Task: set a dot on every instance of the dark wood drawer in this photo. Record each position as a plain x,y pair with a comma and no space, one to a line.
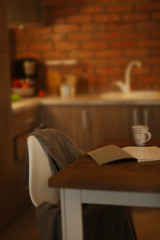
20,148
26,120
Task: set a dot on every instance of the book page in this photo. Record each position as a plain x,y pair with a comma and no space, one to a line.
108,154
144,153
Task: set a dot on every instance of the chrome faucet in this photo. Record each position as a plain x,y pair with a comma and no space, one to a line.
126,86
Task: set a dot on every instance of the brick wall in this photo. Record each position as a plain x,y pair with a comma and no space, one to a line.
103,35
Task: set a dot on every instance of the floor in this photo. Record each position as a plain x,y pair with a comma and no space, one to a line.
24,228
147,222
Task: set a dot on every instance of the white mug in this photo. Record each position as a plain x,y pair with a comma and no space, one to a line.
67,90
141,134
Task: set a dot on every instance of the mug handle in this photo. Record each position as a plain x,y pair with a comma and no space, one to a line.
148,136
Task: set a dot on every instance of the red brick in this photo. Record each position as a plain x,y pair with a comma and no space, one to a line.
21,39
43,31
135,17
155,15
148,43
142,70
137,34
122,44
52,55
140,52
147,25
119,26
95,62
148,7
80,2
108,71
154,61
81,54
88,27
63,46
21,48
64,11
156,70
103,34
148,78
52,20
119,8
102,27
57,37
40,47
108,35
155,33
94,45
79,19
108,53
92,9
107,18
94,27
55,2
28,54
155,52
19,31
65,28
80,36
110,1
39,38
118,62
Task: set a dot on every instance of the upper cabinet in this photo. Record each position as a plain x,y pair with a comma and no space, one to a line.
25,13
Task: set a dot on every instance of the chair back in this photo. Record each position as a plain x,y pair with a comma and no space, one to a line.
39,172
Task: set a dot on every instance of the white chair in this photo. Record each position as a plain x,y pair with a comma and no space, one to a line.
39,172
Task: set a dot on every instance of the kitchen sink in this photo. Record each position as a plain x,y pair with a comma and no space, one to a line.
133,95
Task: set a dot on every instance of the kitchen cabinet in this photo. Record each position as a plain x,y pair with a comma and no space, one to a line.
150,115
23,122
8,208
3,34
111,122
22,13
114,122
73,120
90,125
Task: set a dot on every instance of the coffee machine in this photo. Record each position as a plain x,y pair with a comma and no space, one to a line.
26,69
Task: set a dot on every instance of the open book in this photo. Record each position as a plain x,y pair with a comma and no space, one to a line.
151,153
110,153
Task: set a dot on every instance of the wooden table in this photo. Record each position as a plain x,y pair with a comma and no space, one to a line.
125,183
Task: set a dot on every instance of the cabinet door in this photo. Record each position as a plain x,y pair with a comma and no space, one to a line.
151,117
8,209
23,122
25,13
3,33
73,120
112,122
148,115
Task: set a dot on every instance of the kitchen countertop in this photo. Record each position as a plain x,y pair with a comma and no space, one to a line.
90,100
25,103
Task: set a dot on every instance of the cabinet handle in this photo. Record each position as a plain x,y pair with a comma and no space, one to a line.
84,119
28,121
145,115
135,117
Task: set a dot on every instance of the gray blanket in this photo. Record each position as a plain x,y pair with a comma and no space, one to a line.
100,222
61,150
59,147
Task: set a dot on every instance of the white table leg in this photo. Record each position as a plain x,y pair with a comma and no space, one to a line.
71,213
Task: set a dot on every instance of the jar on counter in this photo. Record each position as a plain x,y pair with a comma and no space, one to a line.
53,76
60,73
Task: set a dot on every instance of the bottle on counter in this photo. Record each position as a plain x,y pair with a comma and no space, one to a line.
82,83
53,76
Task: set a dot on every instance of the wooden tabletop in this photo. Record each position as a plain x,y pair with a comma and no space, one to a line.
84,173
